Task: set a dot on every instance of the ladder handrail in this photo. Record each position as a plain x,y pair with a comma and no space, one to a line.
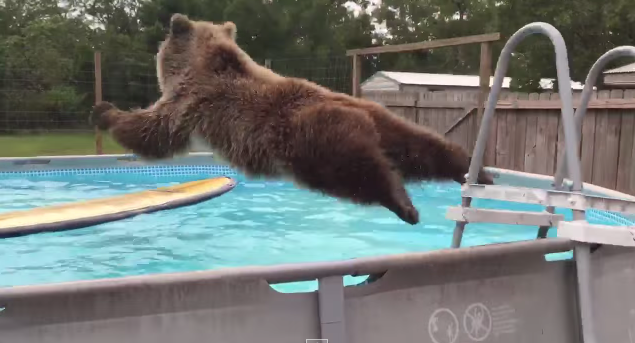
589,83
564,85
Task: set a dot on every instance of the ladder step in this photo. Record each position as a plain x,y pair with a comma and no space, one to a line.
582,231
481,215
562,199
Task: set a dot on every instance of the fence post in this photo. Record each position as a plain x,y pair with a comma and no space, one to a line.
485,72
268,63
357,76
98,98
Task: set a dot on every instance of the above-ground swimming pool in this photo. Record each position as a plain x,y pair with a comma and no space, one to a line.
495,293
257,223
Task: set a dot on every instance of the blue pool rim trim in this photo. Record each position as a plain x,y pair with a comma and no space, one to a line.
159,170
97,220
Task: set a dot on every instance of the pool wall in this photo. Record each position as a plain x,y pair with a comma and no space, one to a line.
492,293
496,293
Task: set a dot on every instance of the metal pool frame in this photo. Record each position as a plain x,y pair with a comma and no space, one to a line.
492,293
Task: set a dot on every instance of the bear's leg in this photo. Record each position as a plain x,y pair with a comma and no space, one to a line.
336,151
154,133
420,153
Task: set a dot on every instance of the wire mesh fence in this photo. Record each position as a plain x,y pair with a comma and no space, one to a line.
333,72
129,81
41,99
38,99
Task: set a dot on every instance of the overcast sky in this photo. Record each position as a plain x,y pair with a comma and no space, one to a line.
379,27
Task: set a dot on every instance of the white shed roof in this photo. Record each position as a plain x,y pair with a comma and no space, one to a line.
629,68
428,79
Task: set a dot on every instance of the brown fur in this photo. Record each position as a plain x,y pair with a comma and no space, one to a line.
272,126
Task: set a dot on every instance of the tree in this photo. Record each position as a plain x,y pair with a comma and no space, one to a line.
589,28
40,65
46,46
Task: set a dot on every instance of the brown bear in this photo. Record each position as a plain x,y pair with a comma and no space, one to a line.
271,126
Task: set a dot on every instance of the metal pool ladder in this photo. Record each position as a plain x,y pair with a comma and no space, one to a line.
571,197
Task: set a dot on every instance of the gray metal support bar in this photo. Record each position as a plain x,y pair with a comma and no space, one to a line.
589,83
582,253
543,231
331,303
457,237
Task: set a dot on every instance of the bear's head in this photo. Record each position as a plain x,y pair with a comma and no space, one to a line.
198,46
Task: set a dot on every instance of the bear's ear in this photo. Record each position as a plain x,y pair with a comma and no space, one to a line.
180,24
230,29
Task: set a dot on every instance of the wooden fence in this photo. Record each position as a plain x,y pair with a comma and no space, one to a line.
526,133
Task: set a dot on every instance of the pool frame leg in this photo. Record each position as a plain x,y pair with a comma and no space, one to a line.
331,309
582,253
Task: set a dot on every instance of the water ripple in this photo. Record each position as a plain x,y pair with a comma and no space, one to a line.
258,223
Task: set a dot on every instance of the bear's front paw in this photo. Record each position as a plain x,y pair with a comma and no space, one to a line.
98,116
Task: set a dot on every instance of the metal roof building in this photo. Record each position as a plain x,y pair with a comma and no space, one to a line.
622,77
405,81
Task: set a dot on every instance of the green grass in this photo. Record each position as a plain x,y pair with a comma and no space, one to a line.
49,144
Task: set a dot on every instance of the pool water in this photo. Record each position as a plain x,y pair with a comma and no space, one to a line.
258,223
